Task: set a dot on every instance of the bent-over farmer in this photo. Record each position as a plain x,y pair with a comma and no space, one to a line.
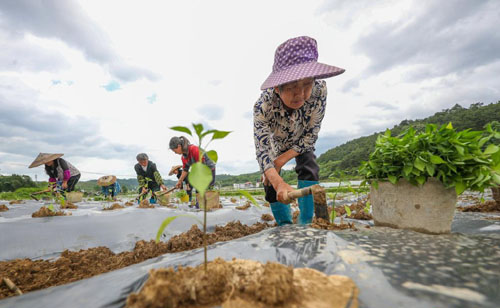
109,186
148,176
287,119
59,171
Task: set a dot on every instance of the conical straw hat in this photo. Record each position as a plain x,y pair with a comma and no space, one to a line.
106,180
174,168
43,158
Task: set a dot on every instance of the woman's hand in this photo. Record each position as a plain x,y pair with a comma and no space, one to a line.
282,191
64,185
178,185
144,190
163,187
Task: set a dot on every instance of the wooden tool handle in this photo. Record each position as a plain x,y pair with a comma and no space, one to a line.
298,193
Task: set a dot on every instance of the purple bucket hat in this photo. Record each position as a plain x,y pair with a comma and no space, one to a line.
296,59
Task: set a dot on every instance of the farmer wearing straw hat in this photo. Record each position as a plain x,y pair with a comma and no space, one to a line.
287,119
177,170
148,176
58,170
109,186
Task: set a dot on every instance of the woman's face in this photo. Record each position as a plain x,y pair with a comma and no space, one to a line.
178,150
143,163
49,163
295,94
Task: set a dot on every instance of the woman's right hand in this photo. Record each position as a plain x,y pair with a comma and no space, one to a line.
144,190
282,191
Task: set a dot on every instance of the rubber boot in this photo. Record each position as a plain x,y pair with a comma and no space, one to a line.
152,201
282,213
306,204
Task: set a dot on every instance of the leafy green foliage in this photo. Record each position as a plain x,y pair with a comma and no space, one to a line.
13,182
454,158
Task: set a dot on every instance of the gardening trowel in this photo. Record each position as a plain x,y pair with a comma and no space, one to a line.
319,197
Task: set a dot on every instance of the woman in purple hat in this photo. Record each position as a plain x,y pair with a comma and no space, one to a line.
287,119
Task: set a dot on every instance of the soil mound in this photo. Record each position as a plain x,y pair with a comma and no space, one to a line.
266,204
69,205
128,203
16,202
488,206
114,206
146,205
267,217
71,266
246,206
319,223
194,237
242,284
45,212
3,208
233,200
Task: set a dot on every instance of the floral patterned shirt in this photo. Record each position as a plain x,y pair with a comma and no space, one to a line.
276,130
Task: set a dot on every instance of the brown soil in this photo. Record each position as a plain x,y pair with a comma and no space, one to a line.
357,210
69,205
233,200
16,202
244,284
45,212
114,206
245,206
129,203
492,218
488,206
295,216
266,204
319,223
146,205
31,275
267,217
3,208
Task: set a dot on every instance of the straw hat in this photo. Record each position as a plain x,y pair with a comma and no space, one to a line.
43,158
296,59
106,180
174,168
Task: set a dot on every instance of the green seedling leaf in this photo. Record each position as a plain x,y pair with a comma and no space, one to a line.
181,129
491,149
420,180
482,199
437,160
249,197
333,214
375,184
198,128
392,179
420,165
407,169
200,177
51,208
218,134
430,169
460,188
347,210
496,178
367,207
213,155
349,187
168,220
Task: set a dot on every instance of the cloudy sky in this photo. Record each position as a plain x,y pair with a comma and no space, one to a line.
101,81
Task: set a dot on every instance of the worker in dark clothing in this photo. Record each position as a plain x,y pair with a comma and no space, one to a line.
148,177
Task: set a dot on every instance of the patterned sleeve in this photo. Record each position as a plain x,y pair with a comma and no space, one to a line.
262,133
158,178
316,114
141,180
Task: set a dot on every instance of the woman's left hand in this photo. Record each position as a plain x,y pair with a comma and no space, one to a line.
64,185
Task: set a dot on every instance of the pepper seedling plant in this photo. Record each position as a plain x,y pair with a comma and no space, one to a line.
200,175
463,160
